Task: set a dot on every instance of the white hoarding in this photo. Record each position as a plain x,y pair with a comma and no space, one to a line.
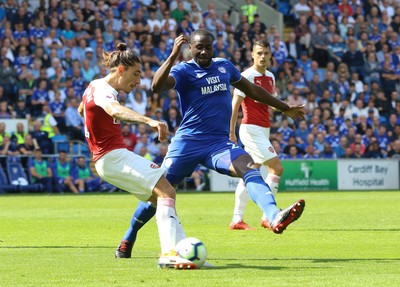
368,174
11,124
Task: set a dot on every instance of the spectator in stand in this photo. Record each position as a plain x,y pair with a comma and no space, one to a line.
389,78
301,9
382,104
332,137
8,78
368,136
303,33
363,125
129,137
354,59
8,148
147,55
27,149
336,49
301,133
358,141
152,21
299,83
372,69
41,172
18,136
319,42
295,99
138,102
173,119
145,141
286,131
373,151
314,69
168,24
40,97
395,149
57,109
320,142
161,156
316,122
62,171
49,123
83,177
143,152
88,71
293,47
327,152
357,153
330,7
78,82
394,121
310,153
74,121
293,153
382,137
5,112
340,149
179,12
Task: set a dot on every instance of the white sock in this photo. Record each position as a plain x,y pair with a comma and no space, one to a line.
180,233
273,182
167,221
241,200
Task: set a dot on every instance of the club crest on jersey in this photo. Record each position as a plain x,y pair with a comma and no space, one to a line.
271,149
222,70
153,165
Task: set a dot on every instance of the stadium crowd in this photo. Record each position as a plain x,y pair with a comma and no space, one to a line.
341,60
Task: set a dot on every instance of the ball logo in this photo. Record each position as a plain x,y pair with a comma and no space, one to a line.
153,165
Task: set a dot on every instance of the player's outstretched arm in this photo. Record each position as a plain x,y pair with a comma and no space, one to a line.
259,94
125,114
162,80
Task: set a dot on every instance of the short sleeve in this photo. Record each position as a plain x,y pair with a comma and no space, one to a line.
177,73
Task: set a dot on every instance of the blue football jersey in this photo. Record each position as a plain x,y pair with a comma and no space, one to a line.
205,97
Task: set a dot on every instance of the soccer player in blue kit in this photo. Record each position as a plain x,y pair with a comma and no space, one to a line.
203,87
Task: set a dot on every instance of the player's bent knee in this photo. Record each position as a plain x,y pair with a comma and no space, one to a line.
164,189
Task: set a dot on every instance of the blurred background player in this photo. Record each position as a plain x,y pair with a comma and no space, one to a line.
254,131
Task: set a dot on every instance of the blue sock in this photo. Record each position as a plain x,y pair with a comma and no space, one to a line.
260,193
143,213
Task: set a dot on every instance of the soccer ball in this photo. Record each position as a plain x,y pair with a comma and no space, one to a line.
192,249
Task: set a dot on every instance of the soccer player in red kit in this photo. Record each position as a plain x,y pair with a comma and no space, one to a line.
254,131
115,163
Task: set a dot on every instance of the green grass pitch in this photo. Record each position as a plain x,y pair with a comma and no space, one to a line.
342,239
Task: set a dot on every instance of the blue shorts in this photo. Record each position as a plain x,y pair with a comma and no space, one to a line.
185,154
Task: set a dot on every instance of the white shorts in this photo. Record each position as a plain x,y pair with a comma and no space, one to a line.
256,142
130,172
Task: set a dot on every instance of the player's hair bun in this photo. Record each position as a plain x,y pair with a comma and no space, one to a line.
121,47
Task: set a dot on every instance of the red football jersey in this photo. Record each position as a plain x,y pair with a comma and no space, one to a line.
103,132
254,112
